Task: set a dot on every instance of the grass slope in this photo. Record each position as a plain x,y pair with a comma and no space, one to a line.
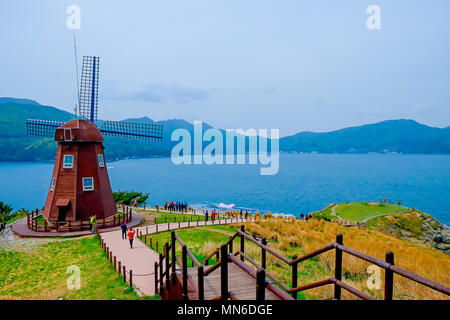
302,237
42,272
359,211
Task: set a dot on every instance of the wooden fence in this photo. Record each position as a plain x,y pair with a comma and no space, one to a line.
42,225
165,270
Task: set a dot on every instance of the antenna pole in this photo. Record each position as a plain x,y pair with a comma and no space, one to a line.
76,68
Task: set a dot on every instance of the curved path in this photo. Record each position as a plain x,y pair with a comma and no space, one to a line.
141,259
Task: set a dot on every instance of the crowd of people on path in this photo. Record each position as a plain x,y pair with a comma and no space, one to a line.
213,215
176,206
246,214
307,217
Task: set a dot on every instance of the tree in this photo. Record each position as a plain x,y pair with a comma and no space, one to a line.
5,212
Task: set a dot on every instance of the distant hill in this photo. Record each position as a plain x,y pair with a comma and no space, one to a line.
406,136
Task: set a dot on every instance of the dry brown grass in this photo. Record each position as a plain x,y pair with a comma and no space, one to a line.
301,237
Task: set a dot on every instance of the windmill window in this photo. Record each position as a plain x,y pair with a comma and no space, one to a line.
101,161
52,187
68,161
88,184
68,134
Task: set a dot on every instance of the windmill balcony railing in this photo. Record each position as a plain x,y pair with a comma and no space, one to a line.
37,223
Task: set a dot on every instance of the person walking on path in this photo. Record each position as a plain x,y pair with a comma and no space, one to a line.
131,233
124,230
206,216
241,213
92,221
246,214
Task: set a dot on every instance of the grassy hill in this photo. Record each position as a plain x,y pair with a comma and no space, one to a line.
395,220
405,136
360,211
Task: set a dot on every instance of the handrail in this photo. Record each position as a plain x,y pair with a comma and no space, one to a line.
280,293
210,256
189,253
276,254
355,291
362,256
387,266
268,274
212,268
313,254
289,293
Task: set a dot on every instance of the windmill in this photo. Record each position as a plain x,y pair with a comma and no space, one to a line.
80,185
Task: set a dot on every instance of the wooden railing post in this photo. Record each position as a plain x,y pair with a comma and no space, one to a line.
338,267
185,272
124,274
156,277
174,260
294,277
224,272
167,258
242,242
131,278
389,278
45,225
119,267
161,274
263,254
201,283
260,284
115,263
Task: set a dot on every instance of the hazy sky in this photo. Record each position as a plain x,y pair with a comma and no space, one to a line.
293,65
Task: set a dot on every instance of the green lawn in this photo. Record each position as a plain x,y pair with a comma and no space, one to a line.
163,217
358,211
42,273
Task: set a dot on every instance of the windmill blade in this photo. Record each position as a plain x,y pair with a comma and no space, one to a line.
141,131
88,99
42,128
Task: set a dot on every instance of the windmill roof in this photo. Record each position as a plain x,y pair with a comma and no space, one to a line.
82,130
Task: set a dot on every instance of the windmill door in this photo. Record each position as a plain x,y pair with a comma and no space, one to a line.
63,207
62,213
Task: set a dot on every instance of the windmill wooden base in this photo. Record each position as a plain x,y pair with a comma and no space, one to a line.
80,185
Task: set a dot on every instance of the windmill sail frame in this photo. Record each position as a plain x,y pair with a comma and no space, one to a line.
88,95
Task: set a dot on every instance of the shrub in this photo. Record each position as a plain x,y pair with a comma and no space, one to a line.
127,197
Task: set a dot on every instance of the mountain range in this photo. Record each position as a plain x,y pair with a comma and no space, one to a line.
399,136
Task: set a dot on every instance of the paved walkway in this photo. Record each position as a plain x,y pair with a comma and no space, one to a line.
141,259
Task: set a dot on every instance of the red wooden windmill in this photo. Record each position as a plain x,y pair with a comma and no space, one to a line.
80,185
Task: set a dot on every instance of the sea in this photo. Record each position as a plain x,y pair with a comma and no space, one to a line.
303,184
